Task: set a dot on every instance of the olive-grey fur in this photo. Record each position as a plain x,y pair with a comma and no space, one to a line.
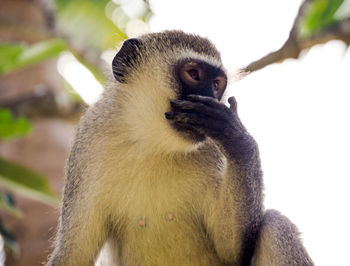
147,195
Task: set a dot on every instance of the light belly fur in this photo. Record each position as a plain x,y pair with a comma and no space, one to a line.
162,219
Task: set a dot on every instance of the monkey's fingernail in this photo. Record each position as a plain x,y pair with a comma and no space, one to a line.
169,115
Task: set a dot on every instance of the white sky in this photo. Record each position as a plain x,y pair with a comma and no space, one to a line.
297,111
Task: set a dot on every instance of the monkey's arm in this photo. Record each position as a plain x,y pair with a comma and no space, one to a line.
80,235
237,211
237,224
279,243
82,231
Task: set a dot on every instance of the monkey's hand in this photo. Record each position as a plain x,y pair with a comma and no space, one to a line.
206,115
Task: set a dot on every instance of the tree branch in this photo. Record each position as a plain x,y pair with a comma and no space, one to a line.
44,104
294,45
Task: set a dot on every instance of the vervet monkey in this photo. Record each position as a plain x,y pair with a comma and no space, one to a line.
166,174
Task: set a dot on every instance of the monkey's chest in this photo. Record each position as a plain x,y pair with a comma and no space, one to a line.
166,236
163,225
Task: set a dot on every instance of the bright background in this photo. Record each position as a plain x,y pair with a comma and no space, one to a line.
298,111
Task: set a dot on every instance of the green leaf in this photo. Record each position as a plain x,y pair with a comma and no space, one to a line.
94,26
11,127
7,203
72,93
9,52
87,23
41,51
319,15
14,56
26,182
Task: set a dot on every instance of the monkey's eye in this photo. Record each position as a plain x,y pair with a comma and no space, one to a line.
191,73
219,86
216,84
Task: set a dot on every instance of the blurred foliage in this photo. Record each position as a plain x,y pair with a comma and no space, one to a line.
72,93
11,127
14,56
86,28
320,14
9,240
85,21
7,202
17,178
25,181
89,27
94,26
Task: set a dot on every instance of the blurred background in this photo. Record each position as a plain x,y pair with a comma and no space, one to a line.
289,68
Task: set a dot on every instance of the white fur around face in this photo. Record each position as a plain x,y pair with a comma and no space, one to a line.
183,54
144,115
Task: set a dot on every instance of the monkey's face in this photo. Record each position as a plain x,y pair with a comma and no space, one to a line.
199,78
156,68
196,77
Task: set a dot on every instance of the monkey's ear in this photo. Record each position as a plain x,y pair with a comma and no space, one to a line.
126,58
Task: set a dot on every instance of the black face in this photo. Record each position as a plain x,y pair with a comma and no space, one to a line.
198,78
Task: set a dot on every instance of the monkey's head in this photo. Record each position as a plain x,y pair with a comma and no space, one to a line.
159,67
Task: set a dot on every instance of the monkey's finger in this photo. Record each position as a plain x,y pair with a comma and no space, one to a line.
233,104
183,122
191,127
184,117
206,124
210,101
197,107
